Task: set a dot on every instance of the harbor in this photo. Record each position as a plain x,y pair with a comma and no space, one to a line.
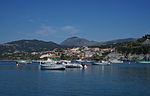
75,48
117,79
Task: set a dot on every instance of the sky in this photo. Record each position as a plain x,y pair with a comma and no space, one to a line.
56,20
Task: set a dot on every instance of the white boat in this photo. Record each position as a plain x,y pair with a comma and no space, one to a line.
23,62
102,63
146,62
116,61
69,64
51,65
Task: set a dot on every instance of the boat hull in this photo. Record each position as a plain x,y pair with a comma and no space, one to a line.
23,62
73,66
52,67
116,61
101,63
48,68
146,62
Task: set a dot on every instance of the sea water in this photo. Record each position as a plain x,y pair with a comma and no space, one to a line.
115,80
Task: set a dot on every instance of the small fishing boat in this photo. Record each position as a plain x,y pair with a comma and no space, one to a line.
70,64
51,65
101,63
146,62
116,61
23,61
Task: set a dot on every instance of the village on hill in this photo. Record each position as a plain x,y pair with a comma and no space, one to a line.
133,50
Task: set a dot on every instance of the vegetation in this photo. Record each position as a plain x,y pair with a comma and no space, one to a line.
27,46
16,56
136,47
23,49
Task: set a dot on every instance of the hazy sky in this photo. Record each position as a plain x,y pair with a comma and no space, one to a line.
56,20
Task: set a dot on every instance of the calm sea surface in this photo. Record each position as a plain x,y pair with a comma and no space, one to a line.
114,80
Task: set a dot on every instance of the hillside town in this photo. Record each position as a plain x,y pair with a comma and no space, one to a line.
84,53
127,51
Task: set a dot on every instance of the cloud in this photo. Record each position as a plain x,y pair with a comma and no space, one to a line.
70,29
46,30
53,30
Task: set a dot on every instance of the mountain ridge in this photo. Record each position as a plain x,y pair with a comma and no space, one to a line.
39,45
76,41
28,46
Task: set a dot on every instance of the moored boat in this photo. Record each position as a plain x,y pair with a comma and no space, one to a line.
116,61
23,61
146,62
69,64
51,65
101,63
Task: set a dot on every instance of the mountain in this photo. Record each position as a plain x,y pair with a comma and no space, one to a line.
28,46
76,41
38,45
119,41
139,46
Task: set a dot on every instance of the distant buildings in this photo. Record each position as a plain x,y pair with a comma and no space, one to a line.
78,52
